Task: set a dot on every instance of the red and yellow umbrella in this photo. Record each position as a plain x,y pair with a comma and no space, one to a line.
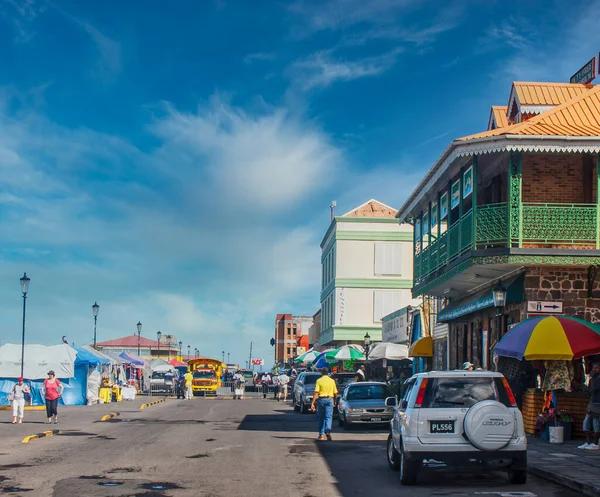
556,338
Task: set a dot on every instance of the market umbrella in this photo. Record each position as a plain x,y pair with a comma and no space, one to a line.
346,353
389,351
324,359
308,356
556,338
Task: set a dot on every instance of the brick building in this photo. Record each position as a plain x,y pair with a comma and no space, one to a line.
291,336
514,208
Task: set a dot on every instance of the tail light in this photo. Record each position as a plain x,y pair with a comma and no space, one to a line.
421,394
511,397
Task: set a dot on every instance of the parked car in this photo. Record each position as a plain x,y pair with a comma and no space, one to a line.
304,389
461,418
365,403
342,380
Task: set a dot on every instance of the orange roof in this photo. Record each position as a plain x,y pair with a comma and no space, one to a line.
579,116
498,114
547,93
372,208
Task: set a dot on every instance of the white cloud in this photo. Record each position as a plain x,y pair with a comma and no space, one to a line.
322,69
109,64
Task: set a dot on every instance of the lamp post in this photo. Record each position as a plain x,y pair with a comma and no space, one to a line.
158,335
196,353
189,353
367,344
169,343
95,309
139,330
228,361
223,354
24,289
180,345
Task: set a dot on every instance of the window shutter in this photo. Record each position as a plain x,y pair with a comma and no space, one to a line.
379,258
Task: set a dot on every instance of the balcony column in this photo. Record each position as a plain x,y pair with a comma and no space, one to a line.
597,202
515,199
461,209
474,203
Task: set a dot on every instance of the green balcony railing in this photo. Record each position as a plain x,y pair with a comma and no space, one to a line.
541,225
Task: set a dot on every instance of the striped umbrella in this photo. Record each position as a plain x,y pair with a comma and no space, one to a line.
308,356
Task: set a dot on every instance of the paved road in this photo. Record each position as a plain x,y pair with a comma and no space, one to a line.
225,448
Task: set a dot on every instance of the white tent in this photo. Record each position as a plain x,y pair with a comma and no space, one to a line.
389,351
39,359
162,366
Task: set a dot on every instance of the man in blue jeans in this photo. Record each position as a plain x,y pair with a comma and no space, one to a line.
325,397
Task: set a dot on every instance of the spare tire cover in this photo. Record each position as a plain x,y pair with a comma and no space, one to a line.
489,425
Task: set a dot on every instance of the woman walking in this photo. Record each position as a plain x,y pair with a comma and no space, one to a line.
18,400
52,390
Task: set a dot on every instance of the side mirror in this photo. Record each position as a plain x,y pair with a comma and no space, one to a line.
391,402
404,405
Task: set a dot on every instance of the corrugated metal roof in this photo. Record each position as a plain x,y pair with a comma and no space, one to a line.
499,113
547,93
580,116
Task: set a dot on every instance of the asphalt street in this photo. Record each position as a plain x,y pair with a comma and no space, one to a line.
225,448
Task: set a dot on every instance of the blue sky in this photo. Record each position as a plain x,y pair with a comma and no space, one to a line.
175,160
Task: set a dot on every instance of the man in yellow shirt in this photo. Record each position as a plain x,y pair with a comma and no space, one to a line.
188,377
326,398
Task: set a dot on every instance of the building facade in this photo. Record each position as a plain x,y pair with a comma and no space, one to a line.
366,260
150,349
291,337
314,333
512,212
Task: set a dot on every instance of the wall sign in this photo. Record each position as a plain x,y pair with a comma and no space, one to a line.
586,74
544,307
434,215
443,206
455,192
468,182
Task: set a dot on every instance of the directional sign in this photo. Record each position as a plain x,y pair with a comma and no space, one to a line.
543,307
586,74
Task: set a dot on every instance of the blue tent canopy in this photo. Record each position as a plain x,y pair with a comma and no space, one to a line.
87,357
132,360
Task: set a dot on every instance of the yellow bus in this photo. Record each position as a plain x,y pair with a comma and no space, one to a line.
207,375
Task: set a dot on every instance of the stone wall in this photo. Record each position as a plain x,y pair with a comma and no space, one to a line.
567,284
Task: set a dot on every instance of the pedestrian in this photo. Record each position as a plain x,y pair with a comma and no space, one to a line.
52,390
325,397
467,366
17,396
276,386
361,374
239,385
265,381
591,423
284,381
180,386
188,378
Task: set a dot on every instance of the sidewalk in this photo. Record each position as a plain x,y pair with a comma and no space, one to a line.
566,465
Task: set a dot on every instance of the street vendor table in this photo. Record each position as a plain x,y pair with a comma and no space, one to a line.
116,393
105,394
128,392
574,403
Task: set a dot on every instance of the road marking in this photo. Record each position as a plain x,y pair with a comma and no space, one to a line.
143,406
44,434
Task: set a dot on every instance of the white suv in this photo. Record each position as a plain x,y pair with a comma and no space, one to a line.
461,419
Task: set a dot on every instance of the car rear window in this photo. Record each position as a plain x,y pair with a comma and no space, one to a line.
369,392
311,379
463,392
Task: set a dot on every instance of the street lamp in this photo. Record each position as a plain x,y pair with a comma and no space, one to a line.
499,294
95,309
223,354
228,361
196,353
367,343
24,289
158,334
180,345
139,330
189,353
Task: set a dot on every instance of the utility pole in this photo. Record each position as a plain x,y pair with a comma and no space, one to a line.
250,365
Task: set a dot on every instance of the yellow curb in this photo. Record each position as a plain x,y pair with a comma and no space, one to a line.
143,406
27,408
44,434
109,416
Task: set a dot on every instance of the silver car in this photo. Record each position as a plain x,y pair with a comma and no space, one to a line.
364,403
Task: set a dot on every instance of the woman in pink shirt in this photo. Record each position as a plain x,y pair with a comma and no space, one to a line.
52,390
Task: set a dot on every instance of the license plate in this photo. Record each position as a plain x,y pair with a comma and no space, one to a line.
375,419
441,426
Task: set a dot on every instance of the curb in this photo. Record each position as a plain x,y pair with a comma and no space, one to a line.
143,406
110,416
44,434
582,488
27,408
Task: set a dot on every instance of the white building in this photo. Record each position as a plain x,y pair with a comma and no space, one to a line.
367,264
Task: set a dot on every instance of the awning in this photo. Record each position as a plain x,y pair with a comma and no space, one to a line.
483,300
423,347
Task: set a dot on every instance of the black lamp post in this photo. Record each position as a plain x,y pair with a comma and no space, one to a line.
223,354
24,289
158,335
196,353
180,345
95,309
139,330
499,293
189,353
228,361
367,343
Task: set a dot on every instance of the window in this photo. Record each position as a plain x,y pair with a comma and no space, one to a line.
463,392
288,331
385,303
368,392
289,351
332,255
295,331
388,259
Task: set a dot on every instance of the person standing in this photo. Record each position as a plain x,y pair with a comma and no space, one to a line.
591,423
361,374
284,381
325,397
180,386
276,386
17,395
265,381
188,378
238,385
52,390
